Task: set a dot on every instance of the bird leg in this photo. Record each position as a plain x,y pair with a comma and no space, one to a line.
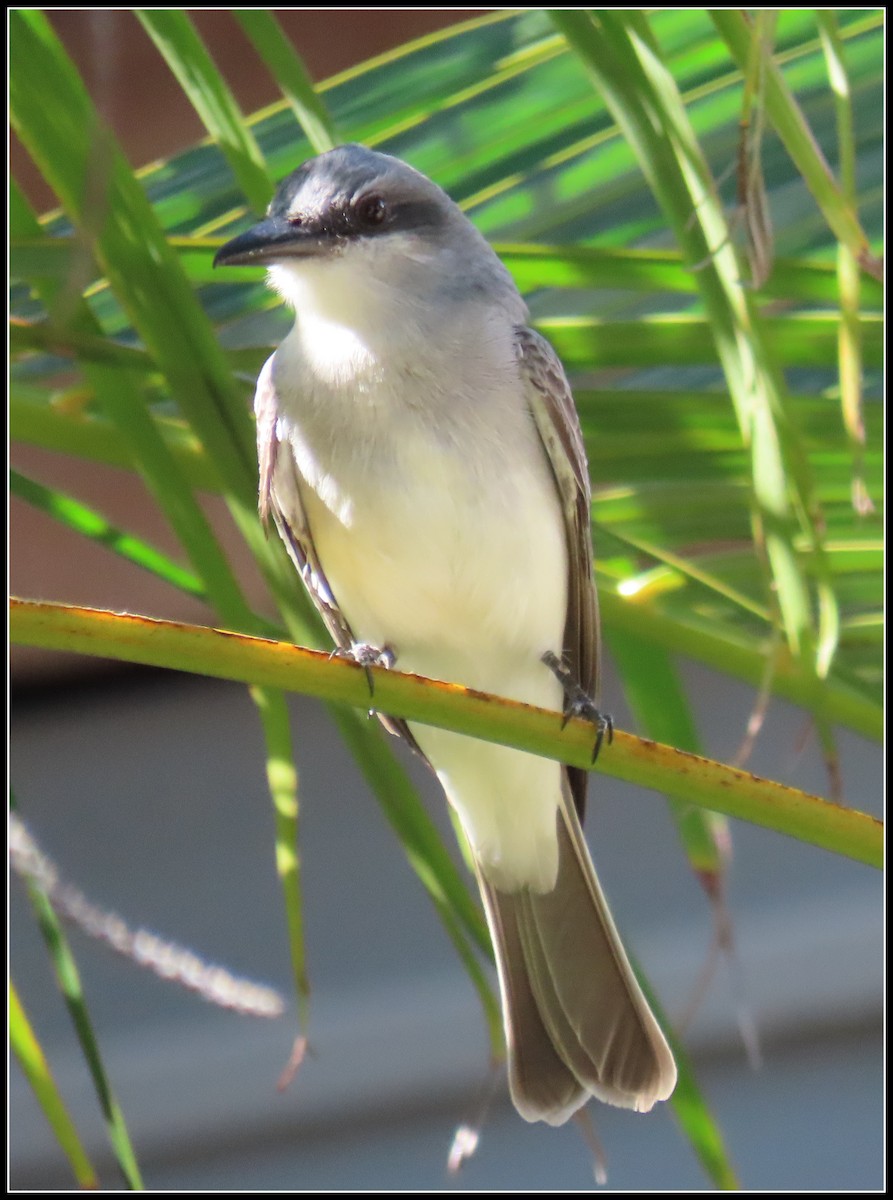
578,704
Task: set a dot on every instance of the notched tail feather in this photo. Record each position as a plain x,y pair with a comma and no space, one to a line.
542,1087
577,1023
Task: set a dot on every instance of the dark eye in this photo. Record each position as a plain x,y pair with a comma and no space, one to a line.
371,210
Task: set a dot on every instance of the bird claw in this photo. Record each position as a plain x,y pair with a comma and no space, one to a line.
578,704
365,655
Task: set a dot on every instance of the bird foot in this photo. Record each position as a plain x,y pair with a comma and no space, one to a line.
578,704
366,656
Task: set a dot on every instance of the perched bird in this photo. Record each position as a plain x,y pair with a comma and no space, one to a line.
422,459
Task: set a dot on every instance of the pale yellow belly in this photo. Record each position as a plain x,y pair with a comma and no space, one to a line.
452,583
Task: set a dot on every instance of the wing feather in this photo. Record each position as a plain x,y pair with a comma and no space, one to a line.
554,412
279,497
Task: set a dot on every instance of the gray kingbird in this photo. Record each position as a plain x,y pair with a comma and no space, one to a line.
421,456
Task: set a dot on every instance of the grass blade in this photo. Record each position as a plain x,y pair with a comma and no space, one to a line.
35,419
118,393
187,56
662,712
785,114
692,1111
752,199
736,654
27,1050
69,981
849,281
282,780
286,67
91,524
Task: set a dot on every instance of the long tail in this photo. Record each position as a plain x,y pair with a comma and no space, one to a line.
576,1021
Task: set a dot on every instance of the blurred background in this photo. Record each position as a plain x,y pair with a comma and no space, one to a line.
148,790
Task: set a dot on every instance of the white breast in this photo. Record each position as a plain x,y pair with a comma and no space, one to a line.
434,514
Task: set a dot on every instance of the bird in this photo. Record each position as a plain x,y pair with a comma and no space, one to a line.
421,457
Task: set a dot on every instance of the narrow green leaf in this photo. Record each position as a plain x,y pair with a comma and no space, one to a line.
691,1109
661,711
282,780
75,343
117,392
286,67
91,524
736,654
187,56
34,419
787,117
88,171
32,1060
540,266
807,340
69,981
421,841
633,585
850,341
752,199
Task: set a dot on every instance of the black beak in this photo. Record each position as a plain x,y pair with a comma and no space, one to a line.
271,240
